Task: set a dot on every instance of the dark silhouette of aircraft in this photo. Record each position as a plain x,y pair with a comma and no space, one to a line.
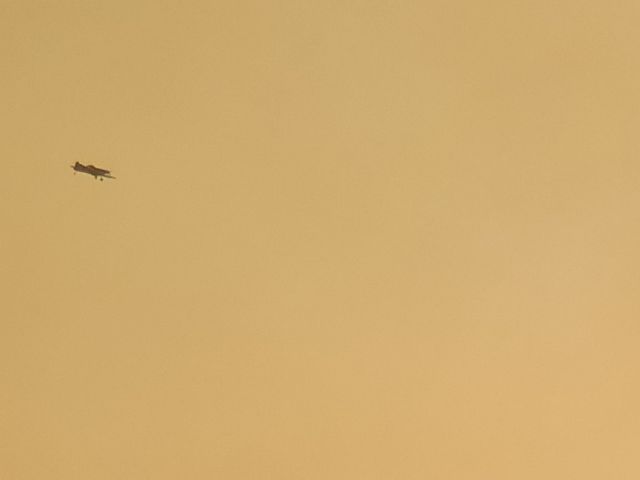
91,170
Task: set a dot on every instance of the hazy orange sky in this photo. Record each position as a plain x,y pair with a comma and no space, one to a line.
347,240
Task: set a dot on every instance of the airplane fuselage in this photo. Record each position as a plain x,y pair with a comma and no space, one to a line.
91,170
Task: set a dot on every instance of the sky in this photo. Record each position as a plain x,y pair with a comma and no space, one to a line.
360,239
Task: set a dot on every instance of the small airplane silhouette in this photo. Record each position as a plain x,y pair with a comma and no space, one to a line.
91,170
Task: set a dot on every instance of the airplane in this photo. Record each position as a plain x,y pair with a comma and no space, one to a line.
91,170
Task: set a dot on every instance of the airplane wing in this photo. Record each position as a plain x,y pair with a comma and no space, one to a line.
98,170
